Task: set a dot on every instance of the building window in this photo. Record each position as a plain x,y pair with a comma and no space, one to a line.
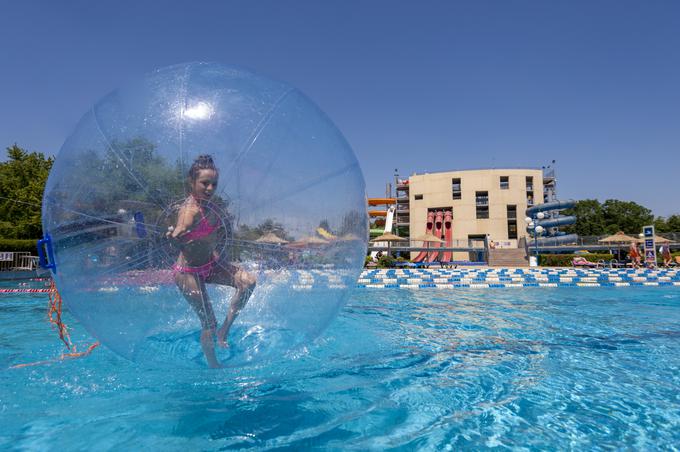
530,191
505,182
455,188
482,204
419,197
512,222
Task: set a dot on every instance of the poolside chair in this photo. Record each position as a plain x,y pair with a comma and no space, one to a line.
614,263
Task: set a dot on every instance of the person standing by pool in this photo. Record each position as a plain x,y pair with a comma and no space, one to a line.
666,255
634,255
197,233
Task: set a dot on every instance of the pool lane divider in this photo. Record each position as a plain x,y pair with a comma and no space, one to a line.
487,278
477,278
3,290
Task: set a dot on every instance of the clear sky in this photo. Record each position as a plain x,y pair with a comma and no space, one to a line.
419,86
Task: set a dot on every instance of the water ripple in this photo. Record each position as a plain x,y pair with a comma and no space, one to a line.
429,370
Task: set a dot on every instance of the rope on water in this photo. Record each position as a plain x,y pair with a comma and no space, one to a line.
54,317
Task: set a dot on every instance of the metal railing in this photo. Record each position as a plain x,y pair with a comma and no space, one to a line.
592,243
17,260
585,240
417,245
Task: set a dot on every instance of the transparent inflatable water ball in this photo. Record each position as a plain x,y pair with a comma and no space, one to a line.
147,256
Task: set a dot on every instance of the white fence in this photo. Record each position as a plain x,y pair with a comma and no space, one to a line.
22,260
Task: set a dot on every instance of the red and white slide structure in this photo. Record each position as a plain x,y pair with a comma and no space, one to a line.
448,233
428,230
438,224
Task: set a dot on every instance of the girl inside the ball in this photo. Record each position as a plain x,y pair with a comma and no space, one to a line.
197,234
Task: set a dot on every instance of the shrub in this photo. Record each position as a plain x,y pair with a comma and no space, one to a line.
565,260
17,245
386,261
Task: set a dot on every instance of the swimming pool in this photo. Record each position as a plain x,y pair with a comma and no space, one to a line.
544,368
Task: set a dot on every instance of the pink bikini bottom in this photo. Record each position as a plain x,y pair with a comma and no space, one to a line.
202,271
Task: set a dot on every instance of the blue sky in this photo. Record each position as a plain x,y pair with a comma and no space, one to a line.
418,86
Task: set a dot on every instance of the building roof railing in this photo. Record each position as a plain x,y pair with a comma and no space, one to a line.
478,169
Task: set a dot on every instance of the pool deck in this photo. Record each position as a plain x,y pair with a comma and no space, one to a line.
488,277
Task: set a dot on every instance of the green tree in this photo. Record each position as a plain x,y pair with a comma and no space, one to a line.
22,181
673,223
626,216
132,171
353,223
660,224
251,234
590,219
128,175
670,224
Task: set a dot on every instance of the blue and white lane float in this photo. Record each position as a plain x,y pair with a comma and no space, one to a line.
484,278
475,278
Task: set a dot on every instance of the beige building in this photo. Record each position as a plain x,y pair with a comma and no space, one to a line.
487,202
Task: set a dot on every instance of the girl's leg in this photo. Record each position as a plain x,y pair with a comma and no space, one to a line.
244,283
194,291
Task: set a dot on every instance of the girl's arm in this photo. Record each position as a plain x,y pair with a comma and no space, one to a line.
185,219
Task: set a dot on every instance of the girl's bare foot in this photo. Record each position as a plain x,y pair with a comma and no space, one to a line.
222,338
209,349
215,364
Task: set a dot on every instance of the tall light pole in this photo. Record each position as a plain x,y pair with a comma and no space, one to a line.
532,224
538,230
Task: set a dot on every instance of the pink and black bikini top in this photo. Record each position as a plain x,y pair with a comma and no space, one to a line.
203,229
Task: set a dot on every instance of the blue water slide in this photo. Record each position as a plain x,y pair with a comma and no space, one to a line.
554,205
555,221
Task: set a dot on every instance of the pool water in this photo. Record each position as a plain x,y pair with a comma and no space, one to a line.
565,368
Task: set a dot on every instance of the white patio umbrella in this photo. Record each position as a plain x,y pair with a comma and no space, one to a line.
389,238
